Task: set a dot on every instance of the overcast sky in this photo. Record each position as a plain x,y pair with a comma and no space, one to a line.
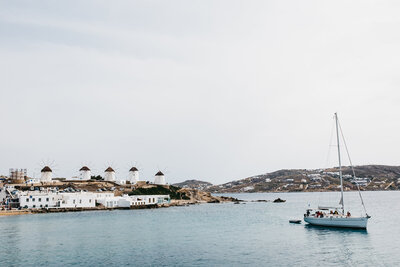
210,90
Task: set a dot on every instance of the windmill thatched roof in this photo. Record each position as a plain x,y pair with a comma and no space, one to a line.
133,169
84,168
109,169
159,173
46,169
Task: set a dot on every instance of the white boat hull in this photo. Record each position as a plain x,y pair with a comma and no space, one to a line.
345,222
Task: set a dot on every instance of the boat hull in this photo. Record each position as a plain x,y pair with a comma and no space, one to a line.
343,222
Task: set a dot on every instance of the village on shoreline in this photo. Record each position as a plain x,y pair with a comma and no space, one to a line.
20,194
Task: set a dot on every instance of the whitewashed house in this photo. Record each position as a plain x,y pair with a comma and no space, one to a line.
51,199
77,200
115,201
149,199
126,201
32,181
38,199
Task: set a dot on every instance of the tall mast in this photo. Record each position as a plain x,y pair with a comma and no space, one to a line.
340,164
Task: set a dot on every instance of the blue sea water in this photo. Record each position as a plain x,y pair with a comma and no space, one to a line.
252,234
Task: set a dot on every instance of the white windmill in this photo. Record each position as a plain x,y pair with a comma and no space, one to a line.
109,175
159,178
48,170
85,173
46,174
133,176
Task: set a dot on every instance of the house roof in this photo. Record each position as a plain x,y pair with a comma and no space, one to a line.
133,169
46,169
84,168
109,169
159,173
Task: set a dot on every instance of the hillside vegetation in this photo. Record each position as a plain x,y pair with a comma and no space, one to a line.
368,177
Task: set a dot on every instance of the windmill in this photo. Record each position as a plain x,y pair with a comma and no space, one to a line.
133,174
159,177
109,172
47,169
85,171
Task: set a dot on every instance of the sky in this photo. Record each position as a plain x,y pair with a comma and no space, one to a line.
211,90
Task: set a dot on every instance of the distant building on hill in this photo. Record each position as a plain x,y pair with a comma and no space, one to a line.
18,174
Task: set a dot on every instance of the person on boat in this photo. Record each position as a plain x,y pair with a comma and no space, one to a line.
348,214
331,212
336,213
308,213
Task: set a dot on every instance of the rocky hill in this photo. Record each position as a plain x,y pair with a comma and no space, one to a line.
194,184
368,177
179,196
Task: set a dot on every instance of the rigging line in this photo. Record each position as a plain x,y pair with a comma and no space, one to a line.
328,154
330,145
352,168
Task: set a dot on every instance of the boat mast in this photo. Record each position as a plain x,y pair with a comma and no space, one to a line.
340,164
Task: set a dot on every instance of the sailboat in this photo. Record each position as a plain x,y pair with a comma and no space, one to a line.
335,216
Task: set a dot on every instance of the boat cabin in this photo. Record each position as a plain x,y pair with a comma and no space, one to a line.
326,212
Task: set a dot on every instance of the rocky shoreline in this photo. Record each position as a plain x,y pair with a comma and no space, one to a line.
174,203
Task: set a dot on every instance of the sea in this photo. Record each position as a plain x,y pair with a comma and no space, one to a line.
224,234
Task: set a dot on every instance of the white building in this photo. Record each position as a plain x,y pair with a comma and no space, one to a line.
77,200
46,174
121,182
112,201
109,174
3,194
51,199
133,176
361,181
38,199
32,181
159,178
149,199
248,188
126,201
